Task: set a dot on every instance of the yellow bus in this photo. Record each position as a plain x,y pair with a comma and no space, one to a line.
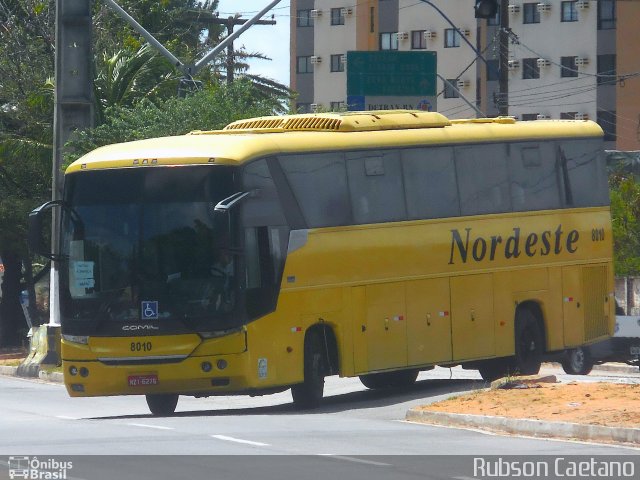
281,250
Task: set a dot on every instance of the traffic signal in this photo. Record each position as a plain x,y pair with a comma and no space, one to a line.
486,8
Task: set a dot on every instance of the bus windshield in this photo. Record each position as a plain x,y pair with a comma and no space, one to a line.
145,246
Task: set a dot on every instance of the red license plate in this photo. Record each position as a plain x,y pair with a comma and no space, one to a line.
142,380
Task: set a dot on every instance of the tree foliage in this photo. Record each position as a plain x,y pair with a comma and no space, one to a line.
625,216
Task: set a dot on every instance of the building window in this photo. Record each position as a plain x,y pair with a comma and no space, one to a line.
606,14
451,38
569,12
607,69
530,68
304,65
337,18
450,91
568,115
418,42
607,121
388,41
527,117
531,13
336,63
569,67
337,107
493,70
494,20
304,18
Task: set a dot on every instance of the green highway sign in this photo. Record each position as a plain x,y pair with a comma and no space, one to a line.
391,73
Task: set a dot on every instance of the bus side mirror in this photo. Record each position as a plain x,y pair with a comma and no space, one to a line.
35,233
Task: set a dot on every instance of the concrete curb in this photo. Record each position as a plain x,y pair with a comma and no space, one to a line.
606,367
534,428
7,370
51,376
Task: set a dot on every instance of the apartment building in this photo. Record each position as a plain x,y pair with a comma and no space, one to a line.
565,59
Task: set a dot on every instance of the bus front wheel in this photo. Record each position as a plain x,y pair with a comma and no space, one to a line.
308,394
529,343
162,405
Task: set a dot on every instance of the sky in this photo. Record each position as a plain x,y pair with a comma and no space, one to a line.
270,40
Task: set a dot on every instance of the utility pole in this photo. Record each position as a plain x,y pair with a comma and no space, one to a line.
230,23
503,79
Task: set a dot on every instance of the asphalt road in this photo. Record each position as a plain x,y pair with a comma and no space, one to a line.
354,433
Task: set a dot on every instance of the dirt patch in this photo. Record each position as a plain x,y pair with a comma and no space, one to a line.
607,404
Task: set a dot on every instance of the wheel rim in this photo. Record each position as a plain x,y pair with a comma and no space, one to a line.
577,359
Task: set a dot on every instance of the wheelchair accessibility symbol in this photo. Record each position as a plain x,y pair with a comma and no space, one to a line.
149,310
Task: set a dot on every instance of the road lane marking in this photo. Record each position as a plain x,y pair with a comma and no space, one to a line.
64,417
354,459
464,478
157,427
239,440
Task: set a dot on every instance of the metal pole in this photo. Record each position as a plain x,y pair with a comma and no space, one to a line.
148,37
222,45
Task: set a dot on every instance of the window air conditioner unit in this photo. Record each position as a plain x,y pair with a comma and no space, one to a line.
315,107
343,59
430,34
543,62
346,12
542,117
463,83
513,64
316,13
315,60
513,9
582,61
581,116
582,4
465,31
544,7
402,36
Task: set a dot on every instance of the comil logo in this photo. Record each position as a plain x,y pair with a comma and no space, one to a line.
38,469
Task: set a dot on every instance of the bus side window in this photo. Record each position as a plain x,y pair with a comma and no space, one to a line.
533,177
483,182
430,183
586,171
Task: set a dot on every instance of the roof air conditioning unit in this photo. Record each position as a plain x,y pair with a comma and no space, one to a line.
543,62
316,13
582,61
402,36
513,64
582,4
315,60
430,34
581,116
542,117
544,7
463,83
346,12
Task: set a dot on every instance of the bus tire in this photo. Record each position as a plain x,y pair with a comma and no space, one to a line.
162,405
401,378
529,341
577,361
308,394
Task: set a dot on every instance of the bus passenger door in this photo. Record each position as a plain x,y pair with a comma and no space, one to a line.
386,327
428,321
472,317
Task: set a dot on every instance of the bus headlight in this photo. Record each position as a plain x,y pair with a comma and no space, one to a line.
82,340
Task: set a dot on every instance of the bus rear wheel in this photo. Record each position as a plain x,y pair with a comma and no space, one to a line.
308,394
402,378
162,405
529,343
494,369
